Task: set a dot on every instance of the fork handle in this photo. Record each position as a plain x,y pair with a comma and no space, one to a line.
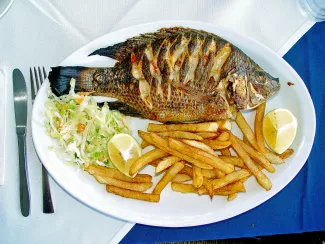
23,176
47,198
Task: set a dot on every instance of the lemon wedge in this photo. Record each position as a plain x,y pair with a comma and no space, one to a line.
123,151
279,129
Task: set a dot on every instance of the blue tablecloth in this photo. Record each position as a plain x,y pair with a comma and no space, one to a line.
300,206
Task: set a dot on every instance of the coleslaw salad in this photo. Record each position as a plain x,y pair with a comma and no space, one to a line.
82,128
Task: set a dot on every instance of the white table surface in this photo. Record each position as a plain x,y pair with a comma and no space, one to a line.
43,33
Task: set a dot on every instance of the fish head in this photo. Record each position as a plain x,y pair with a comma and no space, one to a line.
251,89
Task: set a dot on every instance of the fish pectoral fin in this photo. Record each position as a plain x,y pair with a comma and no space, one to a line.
122,108
195,94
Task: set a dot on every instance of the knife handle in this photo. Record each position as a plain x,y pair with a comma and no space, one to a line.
23,177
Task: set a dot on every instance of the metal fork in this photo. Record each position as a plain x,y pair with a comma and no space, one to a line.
35,86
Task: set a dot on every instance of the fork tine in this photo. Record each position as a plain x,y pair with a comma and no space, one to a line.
32,84
38,85
44,73
40,76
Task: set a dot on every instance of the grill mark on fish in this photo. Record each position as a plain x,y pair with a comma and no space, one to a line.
144,86
145,66
219,61
167,74
193,60
181,48
208,63
154,70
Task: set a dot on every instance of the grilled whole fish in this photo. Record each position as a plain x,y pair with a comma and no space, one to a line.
173,75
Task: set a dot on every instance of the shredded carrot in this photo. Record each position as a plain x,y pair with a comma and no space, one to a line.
79,99
80,127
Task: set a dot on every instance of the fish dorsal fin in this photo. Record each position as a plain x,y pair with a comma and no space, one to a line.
121,50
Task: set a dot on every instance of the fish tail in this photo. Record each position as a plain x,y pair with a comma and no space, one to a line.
87,80
60,78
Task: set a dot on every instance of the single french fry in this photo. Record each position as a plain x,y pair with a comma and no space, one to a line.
179,178
246,141
134,186
155,163
187,170
215,173
224,125
208,135
261,178
212,173
133,194
199,127
237,186
200,145
146,159
209,173
201,155
246,178
258,124
116,174
181,135
216,144
145,136
287,153
144,144
231,196
197,177
219,173
168,176
224,136
163,144
183,188
166,163
225,151
259,166
230,178
209,186
272,157
246,129
257,156
234,160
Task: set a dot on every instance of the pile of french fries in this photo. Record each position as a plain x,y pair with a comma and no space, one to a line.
196,158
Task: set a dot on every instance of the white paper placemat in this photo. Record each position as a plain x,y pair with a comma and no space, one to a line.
2,122
44,32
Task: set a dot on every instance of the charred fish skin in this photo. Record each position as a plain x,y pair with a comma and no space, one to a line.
252,84
177,75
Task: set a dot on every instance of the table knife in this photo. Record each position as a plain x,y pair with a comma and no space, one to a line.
20,103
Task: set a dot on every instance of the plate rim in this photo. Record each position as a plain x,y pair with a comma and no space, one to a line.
275,189
6,9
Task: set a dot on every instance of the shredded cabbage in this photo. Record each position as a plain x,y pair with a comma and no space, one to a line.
82,129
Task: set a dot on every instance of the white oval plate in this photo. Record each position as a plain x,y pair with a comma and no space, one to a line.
176,209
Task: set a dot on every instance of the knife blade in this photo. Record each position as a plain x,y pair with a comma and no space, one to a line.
20,104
